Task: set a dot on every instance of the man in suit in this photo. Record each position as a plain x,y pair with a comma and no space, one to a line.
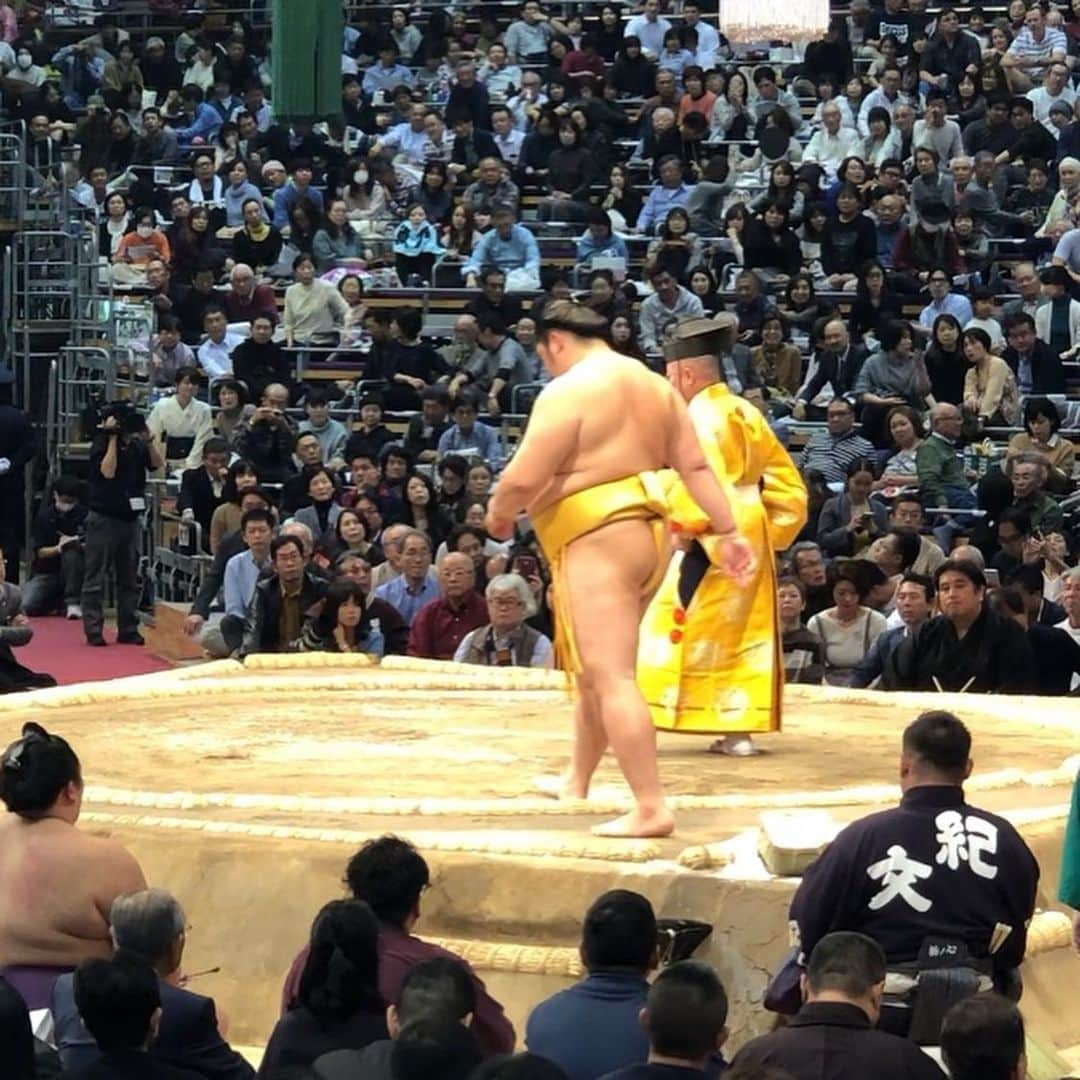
1026,283
200,489
1038,369
148,931
1028,580
120,1001
837,365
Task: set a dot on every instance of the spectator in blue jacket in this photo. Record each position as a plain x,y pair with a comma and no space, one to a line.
667,193
594,1027
507,245
388,73
203,120
299,187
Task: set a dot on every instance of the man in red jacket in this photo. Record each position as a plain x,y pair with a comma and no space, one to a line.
389,874
441,625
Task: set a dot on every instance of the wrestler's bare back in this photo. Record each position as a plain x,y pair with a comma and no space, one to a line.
615,417
57,884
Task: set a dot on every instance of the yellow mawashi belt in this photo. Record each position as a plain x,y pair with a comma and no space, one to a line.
641,497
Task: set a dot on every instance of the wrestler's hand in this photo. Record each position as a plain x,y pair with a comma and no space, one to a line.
498,528
737,559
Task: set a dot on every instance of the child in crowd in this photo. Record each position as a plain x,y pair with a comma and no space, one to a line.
972,244
416,246
982,306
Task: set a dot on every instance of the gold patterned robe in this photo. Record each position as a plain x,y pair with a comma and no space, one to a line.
717,666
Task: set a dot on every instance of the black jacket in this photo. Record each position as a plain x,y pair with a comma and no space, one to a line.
130,1066
187,1039
761,250
261,623
1069,141
269,447
419,437
846,245
841,373
939,58
259,365
257,253
475,99
298,1038
992,657
1047,370
1033,142
18,444
1050,614
1057,659
362,442
834,1041
197,495
483,145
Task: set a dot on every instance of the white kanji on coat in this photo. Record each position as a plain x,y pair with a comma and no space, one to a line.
966,840
898,874
982,840
952,838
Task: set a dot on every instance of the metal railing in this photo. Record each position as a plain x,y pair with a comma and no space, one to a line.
85,377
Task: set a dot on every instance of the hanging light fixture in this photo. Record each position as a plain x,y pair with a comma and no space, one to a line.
797,21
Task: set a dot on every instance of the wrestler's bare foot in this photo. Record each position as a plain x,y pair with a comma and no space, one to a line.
642,823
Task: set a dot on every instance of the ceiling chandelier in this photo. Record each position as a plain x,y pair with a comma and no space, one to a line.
774,20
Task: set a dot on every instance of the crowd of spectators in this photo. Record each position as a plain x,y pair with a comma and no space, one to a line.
884,224
888,228
368,998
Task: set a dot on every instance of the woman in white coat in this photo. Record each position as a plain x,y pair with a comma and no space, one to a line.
1057,322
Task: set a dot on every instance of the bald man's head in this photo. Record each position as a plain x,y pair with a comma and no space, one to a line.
945,419
466,328
457,575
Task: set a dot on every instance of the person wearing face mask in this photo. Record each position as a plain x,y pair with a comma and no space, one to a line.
25,70
56,573
925,244
137,248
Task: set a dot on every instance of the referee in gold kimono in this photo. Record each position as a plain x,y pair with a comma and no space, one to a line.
710,659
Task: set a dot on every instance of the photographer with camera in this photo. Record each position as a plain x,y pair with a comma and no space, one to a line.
267,438
123,450
56,573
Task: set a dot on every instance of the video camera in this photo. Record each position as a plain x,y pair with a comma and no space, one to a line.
129,421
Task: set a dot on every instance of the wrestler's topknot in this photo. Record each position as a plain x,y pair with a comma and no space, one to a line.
574,318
